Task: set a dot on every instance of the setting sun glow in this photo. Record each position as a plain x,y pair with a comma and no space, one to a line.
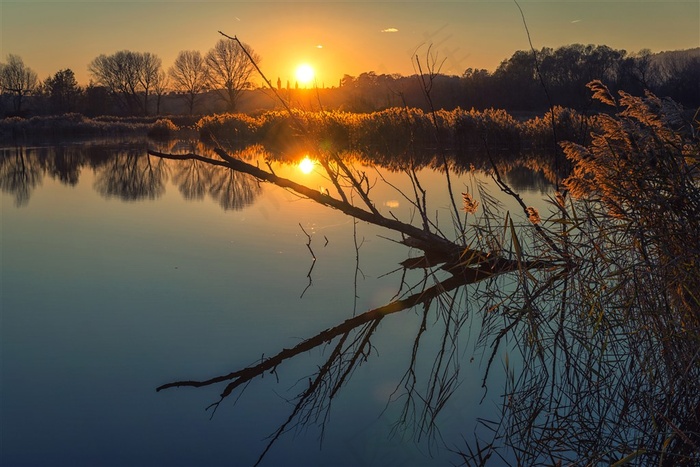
306,165
305,74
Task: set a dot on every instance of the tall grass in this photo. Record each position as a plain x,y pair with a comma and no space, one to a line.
395,131
611,349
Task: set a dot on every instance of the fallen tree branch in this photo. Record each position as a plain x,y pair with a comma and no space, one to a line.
424,240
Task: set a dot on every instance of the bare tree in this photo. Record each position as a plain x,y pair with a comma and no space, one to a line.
119,73
230,70
161,84
18,79
149,69
189,75
129,75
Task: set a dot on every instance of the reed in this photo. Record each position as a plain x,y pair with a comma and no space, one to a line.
610,361
395,131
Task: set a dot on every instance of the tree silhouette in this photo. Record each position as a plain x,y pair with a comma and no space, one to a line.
62,92
189,76
150,76
229,70
18,79
127,75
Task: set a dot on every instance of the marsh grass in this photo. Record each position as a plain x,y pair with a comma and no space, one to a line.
611,349
395,131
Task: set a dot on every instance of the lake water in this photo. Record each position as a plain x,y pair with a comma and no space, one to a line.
122,272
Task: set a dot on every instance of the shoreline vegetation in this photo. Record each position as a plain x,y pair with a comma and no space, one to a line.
388,138
383,135
387,132
75,125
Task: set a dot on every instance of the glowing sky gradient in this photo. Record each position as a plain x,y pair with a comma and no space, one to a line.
336,38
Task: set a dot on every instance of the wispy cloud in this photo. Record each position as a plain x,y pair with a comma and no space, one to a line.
576,21
390,30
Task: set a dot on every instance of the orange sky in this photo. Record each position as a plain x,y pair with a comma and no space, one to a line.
336,38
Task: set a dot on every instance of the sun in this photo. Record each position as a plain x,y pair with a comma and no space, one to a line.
306,165
305,74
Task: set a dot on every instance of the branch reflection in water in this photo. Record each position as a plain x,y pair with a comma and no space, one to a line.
600,350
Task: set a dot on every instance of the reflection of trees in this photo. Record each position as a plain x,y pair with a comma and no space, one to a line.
20,173
593,313
65,163
523,179
352,346
232,190
23,167
123,169
192,178
132,175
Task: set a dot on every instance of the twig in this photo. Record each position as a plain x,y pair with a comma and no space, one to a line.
546,92
427,88
313,262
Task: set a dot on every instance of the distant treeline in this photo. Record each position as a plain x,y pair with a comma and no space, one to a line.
526,82
530,81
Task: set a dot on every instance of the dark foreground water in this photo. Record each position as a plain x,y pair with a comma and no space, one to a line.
122,272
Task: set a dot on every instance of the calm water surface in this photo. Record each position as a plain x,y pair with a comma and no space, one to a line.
123,272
